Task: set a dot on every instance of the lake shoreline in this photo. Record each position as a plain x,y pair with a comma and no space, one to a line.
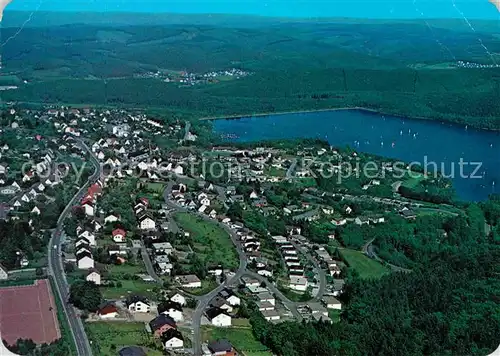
355,108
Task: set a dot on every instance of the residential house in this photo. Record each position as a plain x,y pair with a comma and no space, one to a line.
218,317
172,339
93,275
219,302
161,324
317,308
172,309
88,207
138,304
146,222
408,213
189,281
88,235
164,267
332,303
271,315
250,282
265,272
266,297
163,248
298,283
362,220
107,310
179,299
264,305
111,218
119,235
85,260
221,347
230,297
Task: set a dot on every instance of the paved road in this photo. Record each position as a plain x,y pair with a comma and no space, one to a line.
291,169
149,265
187,127
369,251
320,271
292,306
56,269
204,300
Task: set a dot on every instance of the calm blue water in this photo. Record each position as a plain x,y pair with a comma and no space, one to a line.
388,9
413,140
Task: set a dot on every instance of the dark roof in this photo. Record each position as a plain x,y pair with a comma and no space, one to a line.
220,345
144,216
226,293
136,298
408,212
218,301
132,351
83,254
214,312
107,308
168,305
161,320
170,334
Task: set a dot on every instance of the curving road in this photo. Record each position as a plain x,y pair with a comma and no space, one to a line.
56,269
321,272
204,300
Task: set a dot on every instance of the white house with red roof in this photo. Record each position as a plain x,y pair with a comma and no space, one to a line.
119,235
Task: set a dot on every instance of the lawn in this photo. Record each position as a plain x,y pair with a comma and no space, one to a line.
365,266
275,172
334,314
120,270
294,296
129,287
241,338
413,180
155,187
108,338
218,244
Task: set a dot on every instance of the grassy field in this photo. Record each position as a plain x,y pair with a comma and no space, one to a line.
218,247
413,180
241,338
108,338
129,287
155,187
275,172
334,314
365,266
118,270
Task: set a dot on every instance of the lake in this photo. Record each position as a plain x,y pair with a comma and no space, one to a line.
404,139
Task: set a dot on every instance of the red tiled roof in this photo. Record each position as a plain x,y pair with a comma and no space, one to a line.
108,309
119,232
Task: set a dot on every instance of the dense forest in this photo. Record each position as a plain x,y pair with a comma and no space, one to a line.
447,305
393,68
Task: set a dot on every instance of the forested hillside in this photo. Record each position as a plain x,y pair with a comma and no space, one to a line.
447,305
391,67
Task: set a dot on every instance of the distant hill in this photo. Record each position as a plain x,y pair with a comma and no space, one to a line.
51,18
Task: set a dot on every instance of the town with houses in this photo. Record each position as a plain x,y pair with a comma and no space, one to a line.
190,79
181,252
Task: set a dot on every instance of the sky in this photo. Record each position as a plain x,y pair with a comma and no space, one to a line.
401,9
